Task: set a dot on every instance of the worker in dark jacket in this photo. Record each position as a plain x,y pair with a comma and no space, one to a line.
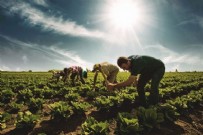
149,68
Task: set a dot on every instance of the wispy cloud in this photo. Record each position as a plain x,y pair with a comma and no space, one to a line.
195,20
49,22
178,60
64,57
75,59
4,68
41,2
25,59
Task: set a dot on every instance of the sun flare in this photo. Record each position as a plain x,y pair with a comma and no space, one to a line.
125,14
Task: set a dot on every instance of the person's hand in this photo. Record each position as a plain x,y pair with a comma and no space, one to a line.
110,86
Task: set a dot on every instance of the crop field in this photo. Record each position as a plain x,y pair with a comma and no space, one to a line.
33,103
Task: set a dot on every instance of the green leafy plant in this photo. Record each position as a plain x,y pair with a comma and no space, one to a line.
14,107
128,124
92,95
4,117
80,107
103,103
24,95
169,111
83,90
26,120
60,110
93,127
117,100
6,96
72,96
150,117
35,104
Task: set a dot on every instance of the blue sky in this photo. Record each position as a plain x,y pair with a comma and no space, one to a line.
40,35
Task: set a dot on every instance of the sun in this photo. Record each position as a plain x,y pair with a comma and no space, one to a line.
124,14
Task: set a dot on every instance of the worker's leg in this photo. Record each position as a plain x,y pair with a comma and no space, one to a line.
73,75
81,77
156,78
143,79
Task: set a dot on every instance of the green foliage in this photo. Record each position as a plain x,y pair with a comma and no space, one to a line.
14,107
117,100
26,120
72,97
83,90
169,111
128,124
127,97
4,117
93,127
92,95
60,110
80,107
24,95
6,96
150,117
103,103
180,92
35,104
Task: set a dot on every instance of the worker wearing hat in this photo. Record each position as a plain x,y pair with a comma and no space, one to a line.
109,72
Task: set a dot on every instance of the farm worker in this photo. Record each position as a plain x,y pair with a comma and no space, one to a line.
73,72
109,72
58,74
149,68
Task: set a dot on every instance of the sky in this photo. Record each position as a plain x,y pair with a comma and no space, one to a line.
41,35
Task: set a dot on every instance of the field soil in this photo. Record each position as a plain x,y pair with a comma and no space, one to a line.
190,123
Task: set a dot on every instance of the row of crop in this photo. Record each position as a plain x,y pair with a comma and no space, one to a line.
34,98
58,111
145,119
179,90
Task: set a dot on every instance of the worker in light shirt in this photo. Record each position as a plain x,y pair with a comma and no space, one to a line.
108,71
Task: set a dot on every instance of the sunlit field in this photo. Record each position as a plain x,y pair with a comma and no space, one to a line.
33,103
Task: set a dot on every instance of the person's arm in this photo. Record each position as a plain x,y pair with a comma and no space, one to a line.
104,76
128,82
95,78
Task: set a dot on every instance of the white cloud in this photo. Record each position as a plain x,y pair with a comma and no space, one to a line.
64,57
41,2
74,58
50,23
25,59
198,20
18,69
4,68
176,60
57,24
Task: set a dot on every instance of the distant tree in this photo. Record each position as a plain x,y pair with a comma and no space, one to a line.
176,70
29,70
50,71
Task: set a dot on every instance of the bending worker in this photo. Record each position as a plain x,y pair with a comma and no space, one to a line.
149,68
109,72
